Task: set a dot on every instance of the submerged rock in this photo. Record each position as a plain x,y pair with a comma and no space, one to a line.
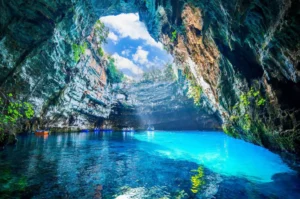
135,193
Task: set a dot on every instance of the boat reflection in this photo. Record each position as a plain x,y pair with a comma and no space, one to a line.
127,135
45,136
150,134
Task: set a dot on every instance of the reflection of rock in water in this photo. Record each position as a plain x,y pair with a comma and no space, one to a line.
207,191
285,185
133,193
212,185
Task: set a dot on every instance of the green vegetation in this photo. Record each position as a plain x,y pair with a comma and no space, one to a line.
78,50
113,74
252,94
260,102
13,185
244,100
250,99
174,36
101,34
230,130
197,180
234,118
13,112
159,75
100,52
247,121
194,90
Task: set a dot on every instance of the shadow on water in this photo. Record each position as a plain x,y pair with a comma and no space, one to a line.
106,165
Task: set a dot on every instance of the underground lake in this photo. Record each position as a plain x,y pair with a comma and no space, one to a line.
145,164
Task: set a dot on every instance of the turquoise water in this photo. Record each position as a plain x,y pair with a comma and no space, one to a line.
150,165
218,152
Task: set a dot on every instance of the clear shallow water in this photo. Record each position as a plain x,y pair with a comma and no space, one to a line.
219,153
142,165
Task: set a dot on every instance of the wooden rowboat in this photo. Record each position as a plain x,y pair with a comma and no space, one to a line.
41,132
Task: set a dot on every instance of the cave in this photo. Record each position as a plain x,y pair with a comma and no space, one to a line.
149,99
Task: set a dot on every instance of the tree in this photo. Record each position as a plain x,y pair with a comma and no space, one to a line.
113,74
101,32
78,50
194,89
155,74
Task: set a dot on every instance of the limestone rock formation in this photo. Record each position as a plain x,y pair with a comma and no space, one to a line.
245,56
38,63
163,105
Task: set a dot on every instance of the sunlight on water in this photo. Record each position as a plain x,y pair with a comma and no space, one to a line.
147,164
218,152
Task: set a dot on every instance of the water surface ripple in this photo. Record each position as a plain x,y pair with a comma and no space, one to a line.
160,164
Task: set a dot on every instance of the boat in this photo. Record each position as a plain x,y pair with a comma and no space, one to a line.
84,130
129,129
150,128
103,130
41,132
106,130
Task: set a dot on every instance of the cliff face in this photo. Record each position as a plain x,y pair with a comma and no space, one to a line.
244,54
38,63
42,61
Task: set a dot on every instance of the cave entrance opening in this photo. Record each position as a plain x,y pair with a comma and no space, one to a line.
134,53
149,77
149,90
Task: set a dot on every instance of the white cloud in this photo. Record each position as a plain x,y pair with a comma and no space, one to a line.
123,63
112,36
128,25
141,56
126,52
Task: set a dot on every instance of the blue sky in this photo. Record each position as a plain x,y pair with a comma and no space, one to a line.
129,42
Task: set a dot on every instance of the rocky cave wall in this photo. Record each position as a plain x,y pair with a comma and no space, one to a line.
244,55
163,105
39,66
38,63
